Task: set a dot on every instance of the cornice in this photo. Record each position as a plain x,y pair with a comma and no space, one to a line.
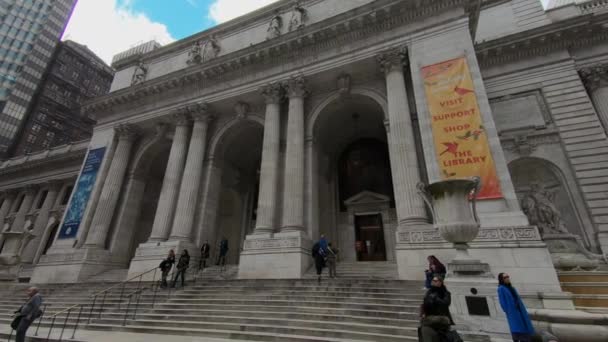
571,33
353,25
29,164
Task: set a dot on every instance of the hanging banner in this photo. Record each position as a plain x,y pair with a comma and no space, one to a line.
461,144
82,192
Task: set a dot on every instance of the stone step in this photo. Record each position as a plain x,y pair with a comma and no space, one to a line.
590,300
304,299
583,276
258,332
289,302
205,314
586,288
186,293
219,322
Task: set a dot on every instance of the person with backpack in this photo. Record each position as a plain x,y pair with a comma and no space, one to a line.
165,267
182,266
28,312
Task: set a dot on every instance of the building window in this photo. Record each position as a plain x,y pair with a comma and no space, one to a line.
36,127
66,196
31,139
42,199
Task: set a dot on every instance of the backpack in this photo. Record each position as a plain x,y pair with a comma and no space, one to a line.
315,250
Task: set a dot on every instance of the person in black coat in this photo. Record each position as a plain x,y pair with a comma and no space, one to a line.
182,266
165,268
221,259
435,312
204,255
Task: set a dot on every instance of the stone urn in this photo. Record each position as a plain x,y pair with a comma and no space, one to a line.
453,205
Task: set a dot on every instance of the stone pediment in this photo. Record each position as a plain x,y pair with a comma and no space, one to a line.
367,198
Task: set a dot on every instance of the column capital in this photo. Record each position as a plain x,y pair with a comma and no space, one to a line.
296,86
198,109
180,117
8,193
128,132
31,189
393,59
272,92
54,185
595,77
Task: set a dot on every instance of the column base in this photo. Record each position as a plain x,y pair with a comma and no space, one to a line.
150,254
75,266
275,256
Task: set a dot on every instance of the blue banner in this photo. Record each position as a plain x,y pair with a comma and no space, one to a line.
82,192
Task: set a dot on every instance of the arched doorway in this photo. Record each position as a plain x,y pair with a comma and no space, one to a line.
353,179
237,154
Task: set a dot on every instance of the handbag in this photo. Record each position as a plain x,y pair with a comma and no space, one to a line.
16,321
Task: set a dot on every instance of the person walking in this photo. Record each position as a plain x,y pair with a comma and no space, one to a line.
332,259
204,255
182,266
435,312
221,260
517,315
28,312
436,268
165,267
318,254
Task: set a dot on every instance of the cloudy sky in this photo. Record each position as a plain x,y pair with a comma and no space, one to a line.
110,26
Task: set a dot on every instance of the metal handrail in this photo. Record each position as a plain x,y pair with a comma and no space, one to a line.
94,296
124,282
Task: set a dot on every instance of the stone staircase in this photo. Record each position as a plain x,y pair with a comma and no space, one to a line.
110,276
362,307
359,270
589,289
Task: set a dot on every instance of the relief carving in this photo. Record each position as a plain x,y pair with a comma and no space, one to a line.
538,205
140,73
274,28
298,17
201,52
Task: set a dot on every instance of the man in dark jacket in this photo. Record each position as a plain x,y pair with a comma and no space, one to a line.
221,259
204,255
182,266
28,312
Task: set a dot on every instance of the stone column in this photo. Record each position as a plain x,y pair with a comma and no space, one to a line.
102,218
173,175
596,82
26,206
293,185
191,182
402,145
39,241
210,203
269,170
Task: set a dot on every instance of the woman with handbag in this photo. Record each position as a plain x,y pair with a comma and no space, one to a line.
435,313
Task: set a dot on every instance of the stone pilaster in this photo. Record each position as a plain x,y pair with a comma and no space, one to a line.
9,198
269,170
173,175
191,182
108,199
39,241
596,82
402,147
26,205
293,185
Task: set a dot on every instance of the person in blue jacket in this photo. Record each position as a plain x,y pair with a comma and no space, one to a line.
517,315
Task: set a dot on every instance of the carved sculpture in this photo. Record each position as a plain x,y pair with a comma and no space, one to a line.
541,211
15,243
274,28
210,49
139,75
298,16
195,55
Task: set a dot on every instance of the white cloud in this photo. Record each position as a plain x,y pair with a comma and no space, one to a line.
224,10
108,29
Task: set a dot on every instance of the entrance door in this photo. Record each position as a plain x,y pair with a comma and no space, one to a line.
369,238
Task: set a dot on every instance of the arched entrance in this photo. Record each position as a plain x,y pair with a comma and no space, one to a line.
237,154
353,179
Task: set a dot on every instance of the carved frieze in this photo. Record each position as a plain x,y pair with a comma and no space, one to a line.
502,234
274,27
241,109
526,144
291,242
140,73
298,17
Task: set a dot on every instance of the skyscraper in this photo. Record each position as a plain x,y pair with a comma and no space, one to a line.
29,33
75,74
